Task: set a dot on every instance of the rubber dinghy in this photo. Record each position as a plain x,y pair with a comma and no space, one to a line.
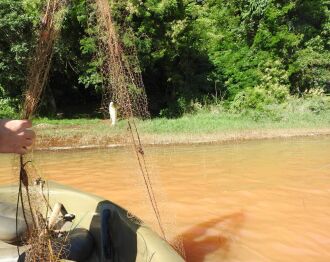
100,230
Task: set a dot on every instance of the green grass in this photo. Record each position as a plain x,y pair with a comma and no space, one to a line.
202,122
211,123
202,126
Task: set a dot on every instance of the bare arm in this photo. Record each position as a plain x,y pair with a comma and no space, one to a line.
15,136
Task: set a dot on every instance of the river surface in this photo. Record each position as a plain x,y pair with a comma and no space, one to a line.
247,201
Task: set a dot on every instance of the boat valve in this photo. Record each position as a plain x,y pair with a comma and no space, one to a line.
69,217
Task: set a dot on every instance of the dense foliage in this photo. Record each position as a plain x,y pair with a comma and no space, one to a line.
249,53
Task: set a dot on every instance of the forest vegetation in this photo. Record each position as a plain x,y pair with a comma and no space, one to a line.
254,58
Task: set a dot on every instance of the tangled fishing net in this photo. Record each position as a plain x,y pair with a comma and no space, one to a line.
45,245
122,79
122,84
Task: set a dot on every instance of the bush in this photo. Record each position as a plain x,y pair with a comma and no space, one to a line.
273,90
8,108
316,101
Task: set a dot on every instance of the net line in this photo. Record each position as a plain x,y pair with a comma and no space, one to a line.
123,85
43,245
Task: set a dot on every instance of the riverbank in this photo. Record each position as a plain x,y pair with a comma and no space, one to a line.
204,127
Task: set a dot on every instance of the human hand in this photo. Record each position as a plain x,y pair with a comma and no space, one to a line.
15,136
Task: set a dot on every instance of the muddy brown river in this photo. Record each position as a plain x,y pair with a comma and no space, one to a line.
265,200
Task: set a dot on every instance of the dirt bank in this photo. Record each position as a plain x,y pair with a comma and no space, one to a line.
71,140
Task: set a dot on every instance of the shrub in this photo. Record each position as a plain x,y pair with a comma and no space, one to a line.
8,108
274,89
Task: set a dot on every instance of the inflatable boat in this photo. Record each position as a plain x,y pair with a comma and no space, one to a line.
100,230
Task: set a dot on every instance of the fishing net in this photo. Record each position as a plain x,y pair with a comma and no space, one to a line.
123,86
40,62
122,79
44,244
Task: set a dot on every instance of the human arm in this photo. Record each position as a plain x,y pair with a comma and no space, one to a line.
15,136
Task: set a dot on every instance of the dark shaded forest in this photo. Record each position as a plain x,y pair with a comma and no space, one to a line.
245,54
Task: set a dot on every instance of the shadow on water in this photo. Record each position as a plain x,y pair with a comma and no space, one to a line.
207,237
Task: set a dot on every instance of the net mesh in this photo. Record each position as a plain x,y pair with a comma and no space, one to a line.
40,62
122,79
45,244
122,85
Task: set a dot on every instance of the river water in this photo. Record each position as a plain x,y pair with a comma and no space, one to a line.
265,200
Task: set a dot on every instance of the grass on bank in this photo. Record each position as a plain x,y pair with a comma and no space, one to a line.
212,123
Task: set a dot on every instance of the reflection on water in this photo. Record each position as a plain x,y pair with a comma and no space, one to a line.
247,201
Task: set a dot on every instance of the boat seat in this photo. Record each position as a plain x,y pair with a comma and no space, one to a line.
8,232
81,244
